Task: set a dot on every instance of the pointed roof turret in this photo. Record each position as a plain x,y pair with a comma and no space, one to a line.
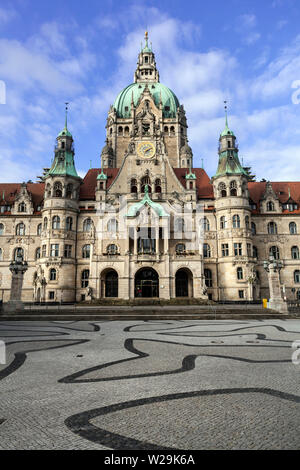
226,131
65,131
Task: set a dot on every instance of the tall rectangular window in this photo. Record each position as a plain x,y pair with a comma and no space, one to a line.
68,251
54,250
225,249
238,249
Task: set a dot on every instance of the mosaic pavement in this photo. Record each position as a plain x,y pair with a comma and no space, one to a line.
150,385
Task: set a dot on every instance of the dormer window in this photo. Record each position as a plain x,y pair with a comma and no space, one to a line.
270,206
22,207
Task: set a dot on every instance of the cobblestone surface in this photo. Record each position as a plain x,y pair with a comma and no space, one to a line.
150,384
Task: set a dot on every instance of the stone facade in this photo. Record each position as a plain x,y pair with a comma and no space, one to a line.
148,224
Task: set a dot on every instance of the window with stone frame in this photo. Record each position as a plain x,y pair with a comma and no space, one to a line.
293,228
68,251
22,207
239,273
39,229
86,251
44,251
222,190
253,228
205,224
295,252
54,251
1,254
208,277
272,228
236,221
1,229
87,225
57,189
206,251
225,249
85,275
112,226
233,188
255,252
270,206
247,222
18,254
249,250
274,252
297,276
238,251
223,222
69,223
45,223
56,222
180,248
20,229
52,274
38,253
112,249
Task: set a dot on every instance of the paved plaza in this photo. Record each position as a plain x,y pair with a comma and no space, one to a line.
128,385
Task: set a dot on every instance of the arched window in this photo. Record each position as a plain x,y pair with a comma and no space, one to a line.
69,191
37,253
39,229
52,274
180,248
56,222
293,228
86,251
166,130
120,130
126,130
112,249
205,224
297,276
270,206
272,228
87,225
233,188
295,252
253,228
69,223
255,252
45,223
179,225
1,254
85,278
274,252
20,229
158,186
18,254
133,185
22,207
57,190
208,277
48,190
223,222
172,130
236,221
222,189
1,229
206,250
239,273
247,222
146,181
112,226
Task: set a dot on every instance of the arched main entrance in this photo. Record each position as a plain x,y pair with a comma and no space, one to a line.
109,283
146,283
184,283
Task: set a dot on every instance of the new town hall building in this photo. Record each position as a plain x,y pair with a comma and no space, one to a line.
148,224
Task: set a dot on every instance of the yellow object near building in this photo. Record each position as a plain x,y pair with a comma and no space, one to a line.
265,303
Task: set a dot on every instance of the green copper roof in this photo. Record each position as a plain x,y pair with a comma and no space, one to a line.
102,176
227,131
63,164
65,132
157,90
190,176
229,164
147,200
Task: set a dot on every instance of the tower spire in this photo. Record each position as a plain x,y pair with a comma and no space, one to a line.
66,117
226,117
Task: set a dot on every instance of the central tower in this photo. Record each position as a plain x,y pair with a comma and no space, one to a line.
146,110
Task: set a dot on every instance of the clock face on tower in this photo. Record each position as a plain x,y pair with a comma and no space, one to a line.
146,150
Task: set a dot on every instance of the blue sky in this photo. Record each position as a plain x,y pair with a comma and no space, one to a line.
247,52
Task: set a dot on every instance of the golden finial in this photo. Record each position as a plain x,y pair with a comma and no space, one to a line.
146,35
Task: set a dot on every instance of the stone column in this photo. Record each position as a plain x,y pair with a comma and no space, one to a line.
276,301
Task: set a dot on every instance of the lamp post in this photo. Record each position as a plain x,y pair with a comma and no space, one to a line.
273,268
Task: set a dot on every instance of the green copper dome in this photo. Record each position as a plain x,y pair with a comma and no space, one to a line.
227,131
170,102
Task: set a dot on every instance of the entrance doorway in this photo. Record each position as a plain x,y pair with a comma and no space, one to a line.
184,283
111,284
146,283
